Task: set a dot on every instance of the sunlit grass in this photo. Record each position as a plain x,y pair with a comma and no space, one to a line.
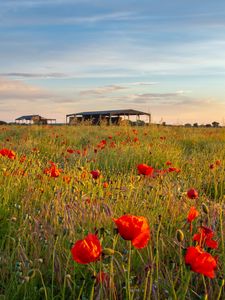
42,217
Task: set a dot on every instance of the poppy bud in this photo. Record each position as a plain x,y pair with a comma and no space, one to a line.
68,276
205,208
108,251
180,235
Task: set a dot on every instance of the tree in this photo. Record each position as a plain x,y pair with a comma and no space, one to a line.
215,124
2,123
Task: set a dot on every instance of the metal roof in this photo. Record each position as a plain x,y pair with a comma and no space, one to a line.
110,112
27,117
30,117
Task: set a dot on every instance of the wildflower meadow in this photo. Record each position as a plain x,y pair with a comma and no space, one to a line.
112,212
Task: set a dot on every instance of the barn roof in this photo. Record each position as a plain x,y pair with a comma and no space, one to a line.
28,118
110,112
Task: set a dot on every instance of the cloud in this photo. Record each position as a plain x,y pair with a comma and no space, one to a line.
68,20
16,89
152,98
33,75
142,83
102,90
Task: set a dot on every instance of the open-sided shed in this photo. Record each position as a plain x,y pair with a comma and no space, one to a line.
108,116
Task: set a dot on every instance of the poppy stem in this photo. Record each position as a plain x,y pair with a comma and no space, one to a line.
220,291
128,272
205,287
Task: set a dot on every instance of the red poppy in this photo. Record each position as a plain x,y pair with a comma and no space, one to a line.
9,153
102,144
66,179
87,250
23,158
212,166
200,261
173,169
192,194
205,237
53,171
218,162
69,150
193,214
168,163
144,169
105,184
112,145
95,174
134,229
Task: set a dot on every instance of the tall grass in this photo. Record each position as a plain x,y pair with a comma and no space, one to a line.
41,217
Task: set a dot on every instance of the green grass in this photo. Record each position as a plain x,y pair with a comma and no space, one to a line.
42,217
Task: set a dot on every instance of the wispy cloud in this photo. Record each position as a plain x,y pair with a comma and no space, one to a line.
33,75
102,90
15,89
68,20
142,83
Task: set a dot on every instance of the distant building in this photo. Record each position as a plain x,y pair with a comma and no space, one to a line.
114,117
34,119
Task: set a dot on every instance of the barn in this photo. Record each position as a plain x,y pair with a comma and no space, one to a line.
34,119
108,117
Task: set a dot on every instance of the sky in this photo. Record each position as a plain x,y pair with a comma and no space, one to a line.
64,56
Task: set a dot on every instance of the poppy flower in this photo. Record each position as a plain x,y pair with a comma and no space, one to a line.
87,250
144,169
205,237
112,145
212,166
134,229
218,162
69,150
66,179
173,169
193,214
200,261
192,194
23,158
95,174
8,153
53,171
105,184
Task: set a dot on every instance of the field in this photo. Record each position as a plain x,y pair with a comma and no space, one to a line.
51,198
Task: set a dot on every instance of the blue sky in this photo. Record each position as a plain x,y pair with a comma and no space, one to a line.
65,56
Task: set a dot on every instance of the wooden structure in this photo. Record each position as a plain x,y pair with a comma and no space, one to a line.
115,117
34,119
